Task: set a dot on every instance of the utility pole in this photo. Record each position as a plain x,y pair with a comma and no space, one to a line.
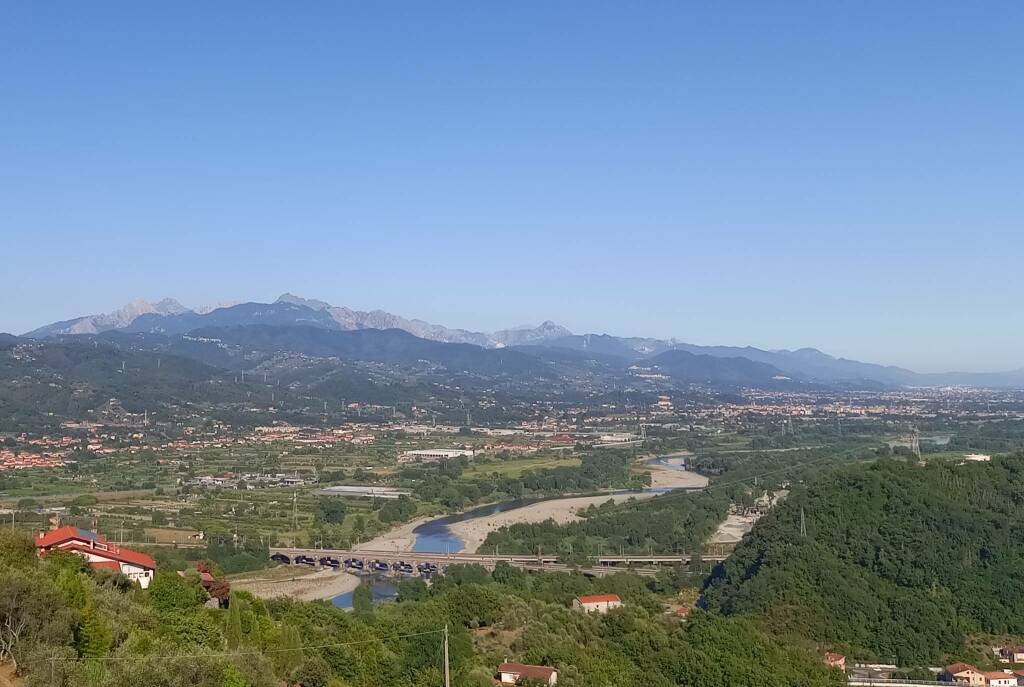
803,523
447,675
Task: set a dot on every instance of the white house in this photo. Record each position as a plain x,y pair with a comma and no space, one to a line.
998,678
1012,654
597,603
100,553
513,673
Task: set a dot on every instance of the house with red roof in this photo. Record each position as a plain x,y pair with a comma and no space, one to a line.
999,678
514,673
835,660
597,603
964,674
100,553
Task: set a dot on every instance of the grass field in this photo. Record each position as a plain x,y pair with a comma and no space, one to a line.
514,467
167,535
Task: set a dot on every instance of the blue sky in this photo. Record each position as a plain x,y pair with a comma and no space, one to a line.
840,175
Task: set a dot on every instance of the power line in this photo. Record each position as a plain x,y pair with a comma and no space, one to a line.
227,654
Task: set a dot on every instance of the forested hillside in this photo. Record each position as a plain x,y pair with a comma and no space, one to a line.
899,561
674,522
43,381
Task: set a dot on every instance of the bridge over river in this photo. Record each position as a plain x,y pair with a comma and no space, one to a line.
603,564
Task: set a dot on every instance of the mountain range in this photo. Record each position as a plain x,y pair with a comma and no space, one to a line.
168,317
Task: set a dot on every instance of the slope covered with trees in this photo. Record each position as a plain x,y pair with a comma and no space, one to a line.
899,561
674,522
66,625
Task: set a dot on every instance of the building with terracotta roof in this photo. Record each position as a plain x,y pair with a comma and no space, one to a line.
514,673
100,553
597,603
964,674
999,678
834,660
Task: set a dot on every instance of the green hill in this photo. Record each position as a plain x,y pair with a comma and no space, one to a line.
899,562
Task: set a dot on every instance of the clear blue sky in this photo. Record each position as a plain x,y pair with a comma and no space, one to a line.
848,176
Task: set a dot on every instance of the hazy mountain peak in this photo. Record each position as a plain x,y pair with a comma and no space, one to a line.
288,297
169,306
117,319
528,334
210,307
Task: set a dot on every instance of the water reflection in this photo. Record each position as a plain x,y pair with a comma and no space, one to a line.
383,589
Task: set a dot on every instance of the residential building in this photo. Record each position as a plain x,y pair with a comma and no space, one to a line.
1012,654
834,660
964,674
597,603
100,553
998,678
514,673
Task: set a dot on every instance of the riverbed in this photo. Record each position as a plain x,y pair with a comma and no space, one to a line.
467,531
298,582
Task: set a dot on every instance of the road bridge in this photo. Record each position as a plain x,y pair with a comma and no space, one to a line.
546,561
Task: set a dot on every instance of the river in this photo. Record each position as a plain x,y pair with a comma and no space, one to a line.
436,536
452,533
383,589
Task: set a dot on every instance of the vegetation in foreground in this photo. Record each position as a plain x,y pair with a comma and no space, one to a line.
75,626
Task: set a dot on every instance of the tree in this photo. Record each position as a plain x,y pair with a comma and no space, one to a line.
71,587
32,611
220,590
92,638
232,677
412,589
362,599
474,605
358,526
505,574
172,592
289,654
16,549
233,624
315,672
331,510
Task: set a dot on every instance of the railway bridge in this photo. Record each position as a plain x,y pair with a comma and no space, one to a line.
603,564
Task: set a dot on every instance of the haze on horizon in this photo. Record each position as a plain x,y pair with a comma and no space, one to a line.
842,177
